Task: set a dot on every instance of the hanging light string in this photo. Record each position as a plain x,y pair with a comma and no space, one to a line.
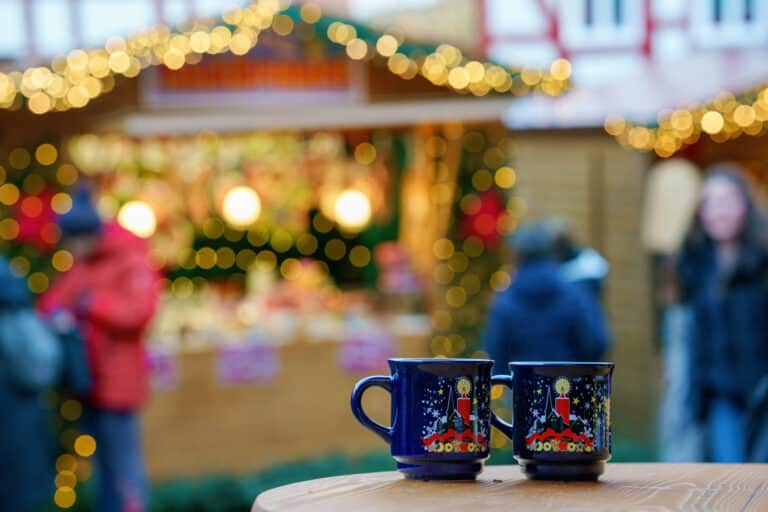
83,75
724,118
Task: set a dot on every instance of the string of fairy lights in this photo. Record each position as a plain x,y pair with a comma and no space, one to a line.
724,118
73,81
73,466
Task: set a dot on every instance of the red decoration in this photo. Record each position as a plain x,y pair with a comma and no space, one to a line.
464,406
483,222
37,220
563,408
565,436
468,436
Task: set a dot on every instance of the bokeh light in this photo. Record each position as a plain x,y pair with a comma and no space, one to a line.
455,296
365,153
67,175
66,478
482,179
244,259
443,248
71,410
265,259
360,256
225,257
387,45
206,258
500,280
290,269
213,228
20,265
65,497
560,69
85,445
712,122
335,249
138,217
442,274
281,240
9,194
352,210
66,462
46,154
505,177
306,244
37,282
61,203
241,206
9,229
19,158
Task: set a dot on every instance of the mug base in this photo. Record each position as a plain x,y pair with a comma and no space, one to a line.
440,471
562,471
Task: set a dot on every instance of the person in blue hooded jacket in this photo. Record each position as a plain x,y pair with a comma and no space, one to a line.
26,430
542,316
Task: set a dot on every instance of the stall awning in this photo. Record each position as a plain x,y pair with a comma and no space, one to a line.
331,116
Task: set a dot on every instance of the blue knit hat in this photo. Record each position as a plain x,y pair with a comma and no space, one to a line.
82,219
535,241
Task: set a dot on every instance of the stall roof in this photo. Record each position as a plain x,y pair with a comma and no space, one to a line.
640,97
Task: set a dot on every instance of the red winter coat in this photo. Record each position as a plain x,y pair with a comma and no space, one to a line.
114,296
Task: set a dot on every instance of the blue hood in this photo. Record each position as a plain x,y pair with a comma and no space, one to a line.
13,290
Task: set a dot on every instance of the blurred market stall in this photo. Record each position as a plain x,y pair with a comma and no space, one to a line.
318,197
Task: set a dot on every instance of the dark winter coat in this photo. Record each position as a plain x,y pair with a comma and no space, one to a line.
542,317
26,431
729,343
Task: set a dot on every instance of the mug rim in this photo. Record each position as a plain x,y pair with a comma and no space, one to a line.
438,360
539,364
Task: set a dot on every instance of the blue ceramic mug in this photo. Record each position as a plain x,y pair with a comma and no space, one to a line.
562,418
440,416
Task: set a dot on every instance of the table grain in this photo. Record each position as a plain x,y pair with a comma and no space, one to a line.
657,487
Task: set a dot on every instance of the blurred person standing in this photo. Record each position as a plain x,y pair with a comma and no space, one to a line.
111,294
30,358
542,316
722,269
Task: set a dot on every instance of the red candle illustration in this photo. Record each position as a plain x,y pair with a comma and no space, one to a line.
463,403
562,402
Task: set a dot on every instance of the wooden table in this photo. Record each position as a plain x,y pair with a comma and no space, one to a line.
657,487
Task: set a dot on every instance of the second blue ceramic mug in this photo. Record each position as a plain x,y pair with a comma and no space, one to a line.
562,418
441,415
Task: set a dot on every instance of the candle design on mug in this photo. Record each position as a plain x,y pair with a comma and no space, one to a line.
562,402
558,429
451,415
463,403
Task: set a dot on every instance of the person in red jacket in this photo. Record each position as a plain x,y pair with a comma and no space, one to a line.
110,291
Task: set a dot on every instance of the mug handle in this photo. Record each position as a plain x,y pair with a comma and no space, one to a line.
382,381
508,429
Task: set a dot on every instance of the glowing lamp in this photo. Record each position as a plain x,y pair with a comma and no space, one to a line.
138,217
241,206
352,210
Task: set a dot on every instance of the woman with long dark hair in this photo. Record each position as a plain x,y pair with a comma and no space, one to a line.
723,267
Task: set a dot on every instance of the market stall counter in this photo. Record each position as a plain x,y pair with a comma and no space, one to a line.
240,407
